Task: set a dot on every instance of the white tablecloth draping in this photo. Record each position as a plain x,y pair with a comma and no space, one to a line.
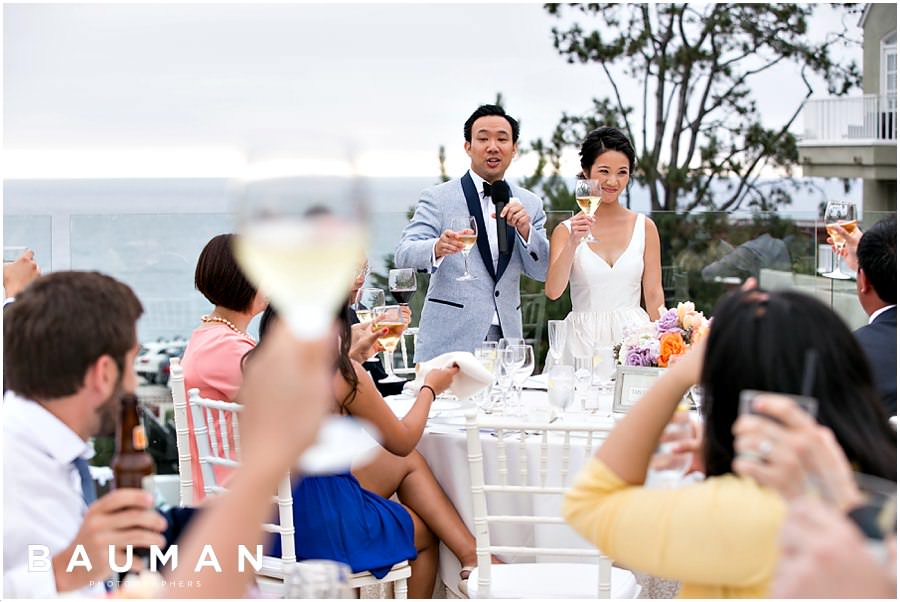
444,447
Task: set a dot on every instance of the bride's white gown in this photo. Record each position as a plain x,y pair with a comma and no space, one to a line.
605,299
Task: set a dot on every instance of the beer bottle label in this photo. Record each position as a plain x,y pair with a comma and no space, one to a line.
139,437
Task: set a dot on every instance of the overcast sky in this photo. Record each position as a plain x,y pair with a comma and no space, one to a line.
166,90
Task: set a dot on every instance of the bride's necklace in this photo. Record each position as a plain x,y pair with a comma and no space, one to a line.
207,319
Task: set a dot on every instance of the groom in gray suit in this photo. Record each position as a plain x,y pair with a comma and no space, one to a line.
460,314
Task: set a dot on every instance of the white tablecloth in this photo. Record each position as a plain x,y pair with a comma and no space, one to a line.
444,447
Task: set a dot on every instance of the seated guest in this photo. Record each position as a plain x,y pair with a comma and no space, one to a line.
19,274
719,537
69,349
212,359
875,262
274,432
823,548
350,518
876,286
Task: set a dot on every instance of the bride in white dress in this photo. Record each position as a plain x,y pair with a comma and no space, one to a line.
609,277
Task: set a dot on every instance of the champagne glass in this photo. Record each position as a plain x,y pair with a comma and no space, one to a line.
402,282
390,317
367,299
467,228
587,195
299,246
556,333
841,213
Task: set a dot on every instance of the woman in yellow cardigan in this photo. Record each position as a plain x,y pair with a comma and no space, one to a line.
719,537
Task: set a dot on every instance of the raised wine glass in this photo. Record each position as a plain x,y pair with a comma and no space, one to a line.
367,299
300,246
587,195
390,317
841,213
402,282
467,229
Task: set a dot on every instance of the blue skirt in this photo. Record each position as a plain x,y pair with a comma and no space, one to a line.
336,519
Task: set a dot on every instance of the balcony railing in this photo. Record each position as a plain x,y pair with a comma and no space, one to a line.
864,118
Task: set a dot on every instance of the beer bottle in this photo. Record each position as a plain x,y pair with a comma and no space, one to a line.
131,462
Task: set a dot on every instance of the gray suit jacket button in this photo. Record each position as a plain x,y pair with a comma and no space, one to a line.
496,293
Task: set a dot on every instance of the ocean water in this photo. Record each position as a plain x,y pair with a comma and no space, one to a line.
149,232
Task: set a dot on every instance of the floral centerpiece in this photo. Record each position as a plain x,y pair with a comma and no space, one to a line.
671,335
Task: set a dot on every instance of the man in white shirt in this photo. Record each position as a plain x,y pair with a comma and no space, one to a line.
69,349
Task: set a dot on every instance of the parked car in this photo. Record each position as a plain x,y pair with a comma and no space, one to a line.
152,361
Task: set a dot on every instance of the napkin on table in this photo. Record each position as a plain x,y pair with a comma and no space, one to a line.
471,378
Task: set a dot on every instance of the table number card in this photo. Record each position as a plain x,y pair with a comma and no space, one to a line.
632,383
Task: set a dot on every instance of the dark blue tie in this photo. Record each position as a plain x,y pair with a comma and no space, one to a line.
88,489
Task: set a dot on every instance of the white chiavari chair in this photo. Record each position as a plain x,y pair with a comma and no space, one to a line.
409,366
214,451
519,475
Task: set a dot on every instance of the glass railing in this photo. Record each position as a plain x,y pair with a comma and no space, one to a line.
704,255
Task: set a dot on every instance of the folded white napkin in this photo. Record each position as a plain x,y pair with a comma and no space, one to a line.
471,378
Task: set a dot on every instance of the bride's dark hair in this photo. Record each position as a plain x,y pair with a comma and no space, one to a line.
605,139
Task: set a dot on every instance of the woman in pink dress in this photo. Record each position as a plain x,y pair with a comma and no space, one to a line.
212,360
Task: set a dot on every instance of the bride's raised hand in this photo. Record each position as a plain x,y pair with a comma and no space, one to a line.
581,227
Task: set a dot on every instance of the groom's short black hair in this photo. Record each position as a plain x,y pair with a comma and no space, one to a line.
487,111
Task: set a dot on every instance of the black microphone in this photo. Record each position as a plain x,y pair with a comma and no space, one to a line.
500,198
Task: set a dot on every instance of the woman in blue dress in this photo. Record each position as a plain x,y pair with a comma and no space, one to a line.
349,518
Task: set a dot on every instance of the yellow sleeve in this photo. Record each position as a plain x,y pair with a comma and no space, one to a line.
723,531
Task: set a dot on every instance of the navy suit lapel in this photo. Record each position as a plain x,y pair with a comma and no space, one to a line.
473,200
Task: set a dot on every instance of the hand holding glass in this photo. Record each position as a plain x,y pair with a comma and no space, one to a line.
390,317
844,214
467,229
587,195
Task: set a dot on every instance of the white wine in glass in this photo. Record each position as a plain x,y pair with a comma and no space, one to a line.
467,229
841,213
391,318
587,195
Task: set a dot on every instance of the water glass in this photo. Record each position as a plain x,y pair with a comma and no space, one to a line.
486,354
561,386
522,373
510,360
666,466
317,579
584,374
604,368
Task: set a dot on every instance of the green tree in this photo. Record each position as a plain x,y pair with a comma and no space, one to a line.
698,120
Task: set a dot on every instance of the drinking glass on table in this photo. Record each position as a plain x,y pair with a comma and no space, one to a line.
584,372
317,579
402,282
604,368
390,317
510,359
300,247
667,466
841,213
509,342
556,333
587,195
486,354
561,386
522,373
467,229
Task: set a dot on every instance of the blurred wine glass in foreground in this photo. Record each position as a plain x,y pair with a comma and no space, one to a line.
301,246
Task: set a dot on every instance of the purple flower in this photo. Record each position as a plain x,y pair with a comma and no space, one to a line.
634,357
649,358
668,322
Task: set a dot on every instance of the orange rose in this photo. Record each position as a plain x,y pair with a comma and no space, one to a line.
670,344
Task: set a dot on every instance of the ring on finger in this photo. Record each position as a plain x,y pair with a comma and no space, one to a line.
765,448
